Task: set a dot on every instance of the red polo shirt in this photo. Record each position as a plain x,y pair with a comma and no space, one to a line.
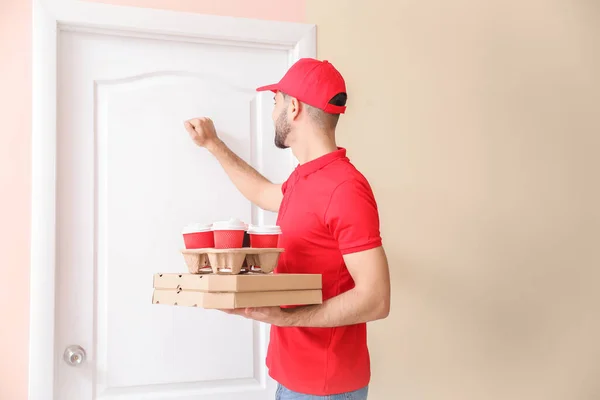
328,210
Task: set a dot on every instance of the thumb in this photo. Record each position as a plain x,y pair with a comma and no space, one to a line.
253,312
189,128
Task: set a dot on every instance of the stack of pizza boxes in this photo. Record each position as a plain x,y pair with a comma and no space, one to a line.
230,265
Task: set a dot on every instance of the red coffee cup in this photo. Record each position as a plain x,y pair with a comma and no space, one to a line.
198,236
229,234
264,237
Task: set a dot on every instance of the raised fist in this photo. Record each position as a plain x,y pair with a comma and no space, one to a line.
202,131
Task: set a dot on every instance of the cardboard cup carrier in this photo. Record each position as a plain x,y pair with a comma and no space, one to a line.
229,257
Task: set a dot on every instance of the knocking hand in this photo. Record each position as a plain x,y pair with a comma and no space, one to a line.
202,131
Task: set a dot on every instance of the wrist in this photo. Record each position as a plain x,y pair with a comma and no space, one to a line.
289,317
301,316
214,145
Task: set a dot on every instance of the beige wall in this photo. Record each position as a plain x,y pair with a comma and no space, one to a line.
15,193
478,124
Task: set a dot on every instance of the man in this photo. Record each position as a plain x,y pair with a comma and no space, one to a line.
330,224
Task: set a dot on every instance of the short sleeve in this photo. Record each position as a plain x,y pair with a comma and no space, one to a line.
286,185
352,217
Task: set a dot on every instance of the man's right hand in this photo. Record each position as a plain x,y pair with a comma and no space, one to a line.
202,131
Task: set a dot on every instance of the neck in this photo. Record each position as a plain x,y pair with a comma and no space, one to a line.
314,148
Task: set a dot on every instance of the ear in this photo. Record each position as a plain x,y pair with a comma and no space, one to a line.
294,108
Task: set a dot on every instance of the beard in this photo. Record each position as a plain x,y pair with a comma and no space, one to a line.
282,130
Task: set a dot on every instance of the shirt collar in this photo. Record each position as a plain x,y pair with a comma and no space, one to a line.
319,163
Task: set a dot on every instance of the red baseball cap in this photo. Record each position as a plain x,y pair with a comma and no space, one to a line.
312,82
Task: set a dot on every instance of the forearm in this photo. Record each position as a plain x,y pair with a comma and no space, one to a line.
349,308
246,179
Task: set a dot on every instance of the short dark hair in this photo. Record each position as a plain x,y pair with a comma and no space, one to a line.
324,119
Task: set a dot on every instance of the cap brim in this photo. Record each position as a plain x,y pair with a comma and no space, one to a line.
273,88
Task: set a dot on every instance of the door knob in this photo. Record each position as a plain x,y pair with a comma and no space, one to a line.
74,356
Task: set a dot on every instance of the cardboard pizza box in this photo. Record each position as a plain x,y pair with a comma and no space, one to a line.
237,291
238,283
230,300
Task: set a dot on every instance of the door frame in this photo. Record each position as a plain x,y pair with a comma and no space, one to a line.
49,18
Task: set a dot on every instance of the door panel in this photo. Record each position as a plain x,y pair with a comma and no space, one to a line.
129,179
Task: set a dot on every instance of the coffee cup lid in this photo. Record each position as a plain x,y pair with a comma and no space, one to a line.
233,224
264,230
197,227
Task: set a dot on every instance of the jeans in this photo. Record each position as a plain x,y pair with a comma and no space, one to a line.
284,393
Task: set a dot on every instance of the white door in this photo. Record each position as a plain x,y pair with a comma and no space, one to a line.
129,179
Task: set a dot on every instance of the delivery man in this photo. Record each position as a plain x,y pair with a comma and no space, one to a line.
330,226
